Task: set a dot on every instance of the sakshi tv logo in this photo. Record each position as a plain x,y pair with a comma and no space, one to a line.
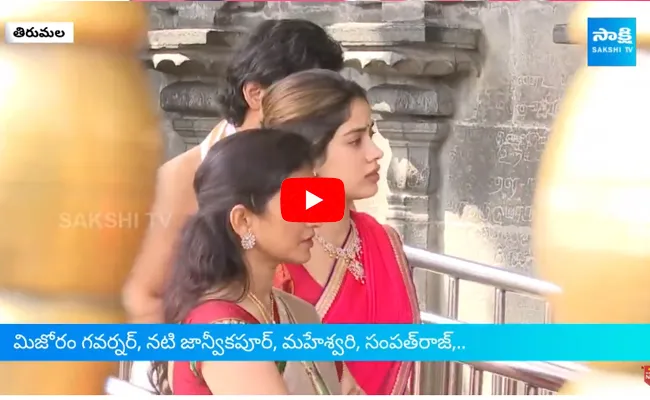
611,42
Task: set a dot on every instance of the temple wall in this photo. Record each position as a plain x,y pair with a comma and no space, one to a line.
500,128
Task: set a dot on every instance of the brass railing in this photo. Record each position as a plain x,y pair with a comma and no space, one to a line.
531,378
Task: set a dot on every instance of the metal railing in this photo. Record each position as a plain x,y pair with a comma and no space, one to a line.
536,377
508,378
122,387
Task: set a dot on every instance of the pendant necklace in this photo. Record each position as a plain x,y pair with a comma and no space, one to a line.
349,254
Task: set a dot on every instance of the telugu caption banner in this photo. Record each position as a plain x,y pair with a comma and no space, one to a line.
241,342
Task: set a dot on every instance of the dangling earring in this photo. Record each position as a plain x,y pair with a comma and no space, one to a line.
248,241
315,174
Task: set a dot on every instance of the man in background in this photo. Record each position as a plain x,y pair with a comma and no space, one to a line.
275,50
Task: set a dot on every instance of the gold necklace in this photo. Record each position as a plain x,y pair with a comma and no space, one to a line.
262,309
349,254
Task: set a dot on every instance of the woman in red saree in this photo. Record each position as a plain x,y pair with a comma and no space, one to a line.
358,272
226,264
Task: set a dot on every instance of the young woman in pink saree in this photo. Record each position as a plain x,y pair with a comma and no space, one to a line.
358,272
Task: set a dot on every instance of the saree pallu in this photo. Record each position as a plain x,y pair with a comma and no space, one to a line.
387,297
301,378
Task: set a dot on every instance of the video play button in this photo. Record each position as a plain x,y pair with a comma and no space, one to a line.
315,200
311,200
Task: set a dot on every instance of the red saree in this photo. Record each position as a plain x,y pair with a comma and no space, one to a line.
302,378
186,375
379,301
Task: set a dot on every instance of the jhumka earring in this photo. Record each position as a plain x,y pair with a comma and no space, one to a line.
248,241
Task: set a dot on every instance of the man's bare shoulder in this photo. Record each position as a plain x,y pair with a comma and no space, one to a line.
182,163
176,180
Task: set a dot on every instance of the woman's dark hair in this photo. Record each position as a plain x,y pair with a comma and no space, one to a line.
312,103
275,50
248,169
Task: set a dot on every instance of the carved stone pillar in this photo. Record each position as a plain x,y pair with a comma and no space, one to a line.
192,62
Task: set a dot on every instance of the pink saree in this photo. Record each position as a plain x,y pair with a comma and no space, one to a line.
386,297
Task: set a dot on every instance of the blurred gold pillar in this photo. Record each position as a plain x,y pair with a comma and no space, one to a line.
79,148
592,203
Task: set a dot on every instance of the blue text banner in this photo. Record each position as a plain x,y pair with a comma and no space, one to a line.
228,342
